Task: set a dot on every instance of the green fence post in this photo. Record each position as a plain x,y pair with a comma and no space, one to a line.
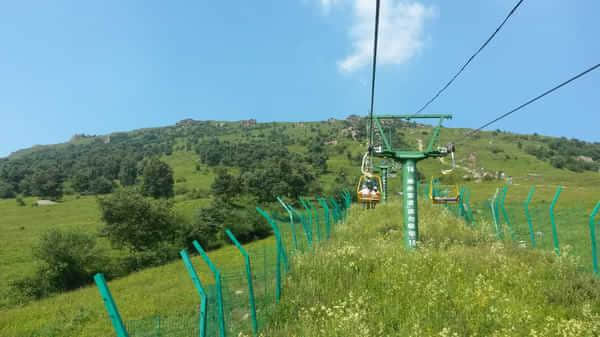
469,212
111,306
326,215
317,220
281,257
291,222
249,278
593,238
336,211
494,209
305,227
554,228
218,286
528,216
348,199
308,210
278,237
505,213
198,284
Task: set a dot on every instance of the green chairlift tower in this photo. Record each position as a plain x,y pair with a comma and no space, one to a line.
408,159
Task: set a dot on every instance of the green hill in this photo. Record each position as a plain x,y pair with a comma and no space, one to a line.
326,155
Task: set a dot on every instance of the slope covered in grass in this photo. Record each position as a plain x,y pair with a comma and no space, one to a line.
460,282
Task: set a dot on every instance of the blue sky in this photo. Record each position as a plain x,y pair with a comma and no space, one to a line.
89,67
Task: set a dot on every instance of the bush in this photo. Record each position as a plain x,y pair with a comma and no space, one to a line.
6,190
101,185
181,189
20,201
157,181
135,222
68,260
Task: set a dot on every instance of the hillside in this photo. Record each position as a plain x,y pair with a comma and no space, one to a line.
263,160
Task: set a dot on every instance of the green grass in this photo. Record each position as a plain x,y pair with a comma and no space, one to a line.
460,282
166,290
23,226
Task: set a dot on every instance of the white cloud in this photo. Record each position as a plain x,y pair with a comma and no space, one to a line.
401,31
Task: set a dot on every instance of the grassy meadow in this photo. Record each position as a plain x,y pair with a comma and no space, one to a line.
460,282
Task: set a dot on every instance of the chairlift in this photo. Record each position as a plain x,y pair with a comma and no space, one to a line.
368,190
440,194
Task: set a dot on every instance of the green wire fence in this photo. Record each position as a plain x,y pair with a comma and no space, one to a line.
241,297
533,225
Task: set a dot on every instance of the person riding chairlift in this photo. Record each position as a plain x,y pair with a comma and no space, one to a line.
365,191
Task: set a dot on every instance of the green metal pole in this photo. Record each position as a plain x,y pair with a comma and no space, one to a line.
326,215
198,284
281,253
505,213
291,222
497,215
593,237
218,286
494,209
307,231
461,200
317,222
308,211
111,306
528,215
409,205
469,211
249,279
554,228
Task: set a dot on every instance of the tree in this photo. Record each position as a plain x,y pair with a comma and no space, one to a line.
101,185
6,190
157,180
81,182
135,222
225,186
128,172
47,183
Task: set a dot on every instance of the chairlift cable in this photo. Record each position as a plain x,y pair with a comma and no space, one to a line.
513,10
547,92
371,126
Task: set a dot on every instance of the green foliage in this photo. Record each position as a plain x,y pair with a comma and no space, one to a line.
157,180
20,201
47,184
458,283
137,223
282,178
101,185
566,154
225,187
68,260
6,190
128,173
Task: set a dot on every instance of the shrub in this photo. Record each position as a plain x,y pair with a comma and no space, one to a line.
181,189
101,185
6,190
157,181
20,201
135,222
68,260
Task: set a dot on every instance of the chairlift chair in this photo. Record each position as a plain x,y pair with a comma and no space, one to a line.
438,198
